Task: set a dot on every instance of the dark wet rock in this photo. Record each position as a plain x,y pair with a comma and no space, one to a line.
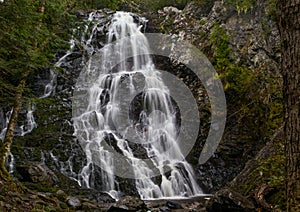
92,195
129,203
194,23
37,173
265,153
190,204
250,180
229,200
127,186
61,195
173,205
88,206
254,45
196,10
80,13
118,209
53,142
99,197
164,209
73,202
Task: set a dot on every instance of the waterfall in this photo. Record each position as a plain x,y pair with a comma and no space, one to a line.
5,120
97,109
51,86
28,126
10,161
30,123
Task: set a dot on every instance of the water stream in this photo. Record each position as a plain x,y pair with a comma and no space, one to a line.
27,127
51,85
29,123
158,166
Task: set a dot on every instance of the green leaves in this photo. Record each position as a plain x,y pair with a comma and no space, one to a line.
31,33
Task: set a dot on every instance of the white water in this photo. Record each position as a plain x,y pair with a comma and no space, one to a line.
30,123
28,126
156,127
5,119
51,86
49,90
10,161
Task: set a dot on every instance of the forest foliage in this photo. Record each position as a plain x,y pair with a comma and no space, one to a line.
29,39
242,6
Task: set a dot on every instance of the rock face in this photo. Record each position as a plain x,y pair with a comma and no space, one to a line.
53,143
253,44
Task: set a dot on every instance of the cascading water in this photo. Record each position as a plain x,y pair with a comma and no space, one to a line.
30,123
10,161
96,122
28,126
49,90
50,87
5,120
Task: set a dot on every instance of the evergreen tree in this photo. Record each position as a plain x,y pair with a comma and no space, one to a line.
31,32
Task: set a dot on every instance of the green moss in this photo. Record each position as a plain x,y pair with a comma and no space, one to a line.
241,5
272,173
257,103
272,10
202,34
236,79
17,149
202,22
43,208
257,99
63,205
38,187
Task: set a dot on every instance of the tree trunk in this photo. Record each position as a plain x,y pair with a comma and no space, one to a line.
289,25
8,139
6,144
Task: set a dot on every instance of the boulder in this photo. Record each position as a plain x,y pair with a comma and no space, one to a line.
37,172
61,195
88,206
229,200
173,205
128,203
73,202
